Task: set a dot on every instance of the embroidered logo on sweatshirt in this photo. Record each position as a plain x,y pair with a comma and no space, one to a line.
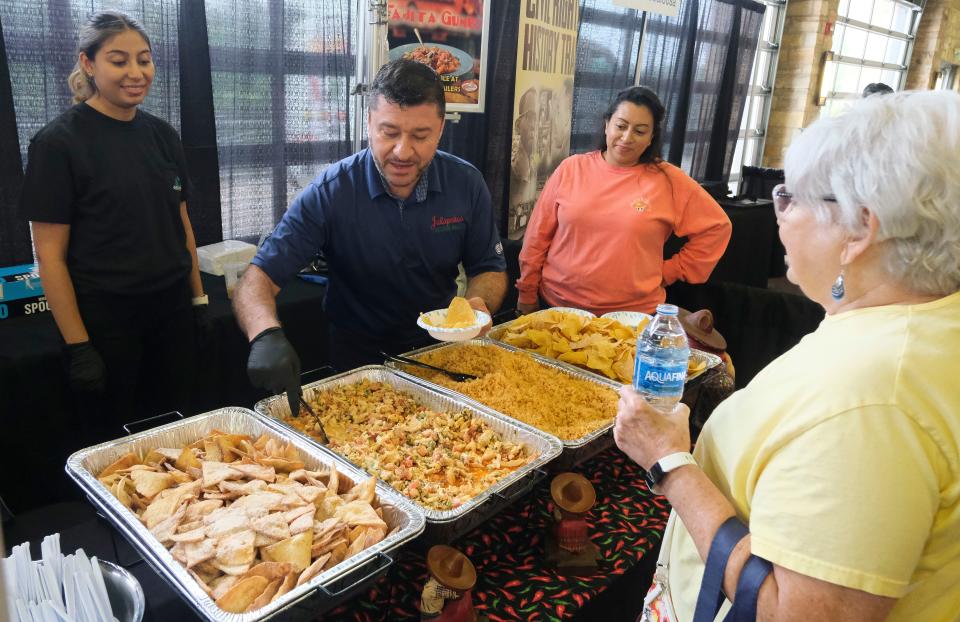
447,223
177,186
640,205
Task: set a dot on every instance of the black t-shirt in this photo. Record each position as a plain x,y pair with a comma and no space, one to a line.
118,184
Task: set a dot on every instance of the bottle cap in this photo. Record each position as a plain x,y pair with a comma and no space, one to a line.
665,309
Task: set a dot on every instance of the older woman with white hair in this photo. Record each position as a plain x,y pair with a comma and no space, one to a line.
829,487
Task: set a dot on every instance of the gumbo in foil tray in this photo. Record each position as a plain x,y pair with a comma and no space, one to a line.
244,516
439,459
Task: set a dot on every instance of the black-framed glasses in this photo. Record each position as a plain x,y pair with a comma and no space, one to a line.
782,200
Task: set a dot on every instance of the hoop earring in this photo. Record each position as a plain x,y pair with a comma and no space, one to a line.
838,290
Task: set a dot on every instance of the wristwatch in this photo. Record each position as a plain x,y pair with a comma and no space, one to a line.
666,464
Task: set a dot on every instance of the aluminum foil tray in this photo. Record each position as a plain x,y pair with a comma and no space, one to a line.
712,360
444,525
576,450
304,602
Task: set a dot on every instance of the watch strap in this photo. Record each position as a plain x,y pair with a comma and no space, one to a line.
666,464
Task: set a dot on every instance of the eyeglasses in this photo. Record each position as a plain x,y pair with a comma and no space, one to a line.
782,200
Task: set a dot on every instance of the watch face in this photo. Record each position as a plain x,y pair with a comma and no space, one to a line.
653,476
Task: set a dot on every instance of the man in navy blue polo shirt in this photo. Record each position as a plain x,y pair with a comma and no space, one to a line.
393,222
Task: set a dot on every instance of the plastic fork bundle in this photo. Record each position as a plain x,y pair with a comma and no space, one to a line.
56,588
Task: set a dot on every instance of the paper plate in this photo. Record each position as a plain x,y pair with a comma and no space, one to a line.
451,334
573,310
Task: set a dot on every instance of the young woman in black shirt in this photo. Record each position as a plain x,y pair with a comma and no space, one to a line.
106,192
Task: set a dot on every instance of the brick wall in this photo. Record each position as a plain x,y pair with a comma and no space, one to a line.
938,41
798,71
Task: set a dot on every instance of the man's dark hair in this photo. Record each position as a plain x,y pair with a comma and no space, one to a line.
406,83
876,88
640,96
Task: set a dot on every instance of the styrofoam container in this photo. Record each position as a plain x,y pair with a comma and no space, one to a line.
427,322
213,257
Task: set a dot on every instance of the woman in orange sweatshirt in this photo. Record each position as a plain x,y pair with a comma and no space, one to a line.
595,239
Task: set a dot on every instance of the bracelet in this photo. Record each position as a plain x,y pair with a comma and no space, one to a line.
200,300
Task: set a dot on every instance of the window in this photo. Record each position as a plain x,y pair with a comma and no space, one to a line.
607,44
753,127
282,72
41,44
872,42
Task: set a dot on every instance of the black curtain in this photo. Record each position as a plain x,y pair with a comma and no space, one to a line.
607,44
14,234
198,130
699,63
734,89
484,139
281,72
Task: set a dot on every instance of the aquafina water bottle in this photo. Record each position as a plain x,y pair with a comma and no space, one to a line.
660,368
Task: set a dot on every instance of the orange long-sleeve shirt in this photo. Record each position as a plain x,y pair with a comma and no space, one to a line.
595,239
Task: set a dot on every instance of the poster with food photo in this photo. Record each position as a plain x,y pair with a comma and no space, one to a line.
452,39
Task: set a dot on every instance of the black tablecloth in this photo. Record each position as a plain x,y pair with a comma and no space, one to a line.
38,410
754,252
748,258
759,324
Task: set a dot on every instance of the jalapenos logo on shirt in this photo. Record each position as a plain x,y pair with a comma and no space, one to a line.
176,184
447,223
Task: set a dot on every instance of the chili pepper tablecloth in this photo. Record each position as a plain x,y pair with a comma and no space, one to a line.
508,551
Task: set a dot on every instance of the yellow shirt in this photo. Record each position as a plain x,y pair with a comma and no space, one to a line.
843,455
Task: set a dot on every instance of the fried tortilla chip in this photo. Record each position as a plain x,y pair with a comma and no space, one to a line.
366,491
236,549
459,314
256,471
216,472
266,596
242,594
273,526
123,462
313,569
149,483
359,513
270,570
221,584
198,552
187,460
289,582
295,550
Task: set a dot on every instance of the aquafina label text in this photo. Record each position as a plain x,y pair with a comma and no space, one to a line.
660,369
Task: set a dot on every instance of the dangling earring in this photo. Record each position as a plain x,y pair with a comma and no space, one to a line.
838,290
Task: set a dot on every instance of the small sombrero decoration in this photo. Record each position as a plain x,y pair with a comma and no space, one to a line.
573,492
452,568
699,326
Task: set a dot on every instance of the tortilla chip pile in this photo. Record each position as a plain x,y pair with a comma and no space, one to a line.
459,315
245,517
600,345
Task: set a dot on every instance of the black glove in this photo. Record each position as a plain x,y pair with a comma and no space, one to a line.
273,365
201,324
85,369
